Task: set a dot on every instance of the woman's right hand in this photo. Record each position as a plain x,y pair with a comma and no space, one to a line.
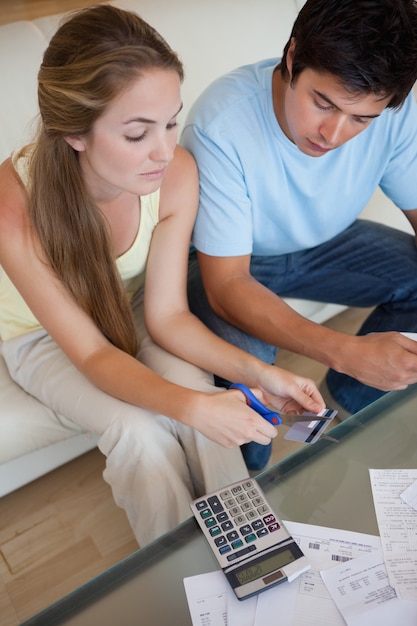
224,417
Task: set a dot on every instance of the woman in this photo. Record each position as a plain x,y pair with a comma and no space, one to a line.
103,194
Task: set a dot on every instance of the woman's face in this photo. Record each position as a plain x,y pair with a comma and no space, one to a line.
134,140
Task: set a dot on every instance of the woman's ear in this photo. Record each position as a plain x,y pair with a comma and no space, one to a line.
76,142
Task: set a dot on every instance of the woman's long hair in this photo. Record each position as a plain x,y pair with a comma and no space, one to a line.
92,57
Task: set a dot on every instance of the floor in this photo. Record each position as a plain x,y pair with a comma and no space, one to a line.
64,528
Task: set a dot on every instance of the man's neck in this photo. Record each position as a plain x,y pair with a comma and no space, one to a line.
279,89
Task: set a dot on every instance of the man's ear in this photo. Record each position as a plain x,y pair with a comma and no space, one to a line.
290,56
76,142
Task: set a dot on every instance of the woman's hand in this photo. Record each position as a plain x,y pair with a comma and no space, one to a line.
288,392
224,417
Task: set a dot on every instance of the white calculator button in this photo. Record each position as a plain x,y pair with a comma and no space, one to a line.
229,503
257,501
239,520
247,485
241,498
235,510
225,494
262,509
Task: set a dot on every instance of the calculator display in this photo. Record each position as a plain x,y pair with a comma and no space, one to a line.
264,567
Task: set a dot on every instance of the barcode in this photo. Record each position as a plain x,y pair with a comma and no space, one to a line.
336,557
314,546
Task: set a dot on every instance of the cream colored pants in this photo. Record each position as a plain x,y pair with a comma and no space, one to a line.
154,465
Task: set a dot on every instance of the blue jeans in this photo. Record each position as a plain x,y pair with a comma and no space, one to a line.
367,265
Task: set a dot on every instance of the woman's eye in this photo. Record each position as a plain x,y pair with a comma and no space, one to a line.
136,139
172,125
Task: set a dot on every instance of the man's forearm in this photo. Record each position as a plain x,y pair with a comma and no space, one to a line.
253,308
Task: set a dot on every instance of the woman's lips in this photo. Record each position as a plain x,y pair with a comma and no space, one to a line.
154,175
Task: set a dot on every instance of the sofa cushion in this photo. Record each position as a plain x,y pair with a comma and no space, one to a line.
18,71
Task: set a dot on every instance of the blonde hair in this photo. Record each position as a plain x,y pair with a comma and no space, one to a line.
92,57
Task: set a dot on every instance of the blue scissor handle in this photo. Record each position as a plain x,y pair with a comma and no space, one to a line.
256,405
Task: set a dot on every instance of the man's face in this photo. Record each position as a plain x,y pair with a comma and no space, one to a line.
318,114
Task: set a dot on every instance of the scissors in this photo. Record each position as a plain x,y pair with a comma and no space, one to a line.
280,418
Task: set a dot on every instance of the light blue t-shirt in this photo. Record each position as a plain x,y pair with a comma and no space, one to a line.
259,194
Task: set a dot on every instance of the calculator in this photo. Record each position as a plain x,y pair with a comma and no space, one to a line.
250,542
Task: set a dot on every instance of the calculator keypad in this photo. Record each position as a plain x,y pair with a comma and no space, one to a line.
236,520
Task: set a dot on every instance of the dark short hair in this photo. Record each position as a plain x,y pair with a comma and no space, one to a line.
370,45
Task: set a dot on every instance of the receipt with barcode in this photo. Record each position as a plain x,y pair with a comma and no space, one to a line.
364,596
311,604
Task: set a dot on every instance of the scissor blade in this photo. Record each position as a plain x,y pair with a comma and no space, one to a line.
288,420
291,418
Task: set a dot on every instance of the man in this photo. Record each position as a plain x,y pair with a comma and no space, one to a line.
289,153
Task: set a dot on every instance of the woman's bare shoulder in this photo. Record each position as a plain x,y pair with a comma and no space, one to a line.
182,168
180,184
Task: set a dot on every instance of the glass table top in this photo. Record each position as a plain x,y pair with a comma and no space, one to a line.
326,484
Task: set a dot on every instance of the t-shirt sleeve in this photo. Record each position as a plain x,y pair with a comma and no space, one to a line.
400,176
224,221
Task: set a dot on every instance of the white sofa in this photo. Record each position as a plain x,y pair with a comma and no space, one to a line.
211,38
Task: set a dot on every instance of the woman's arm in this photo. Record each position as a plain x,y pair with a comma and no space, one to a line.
167,315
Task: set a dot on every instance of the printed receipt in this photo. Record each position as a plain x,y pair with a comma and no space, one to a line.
361,591
307,601
397,522
213,603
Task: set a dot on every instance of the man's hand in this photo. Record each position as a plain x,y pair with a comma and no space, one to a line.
387,361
